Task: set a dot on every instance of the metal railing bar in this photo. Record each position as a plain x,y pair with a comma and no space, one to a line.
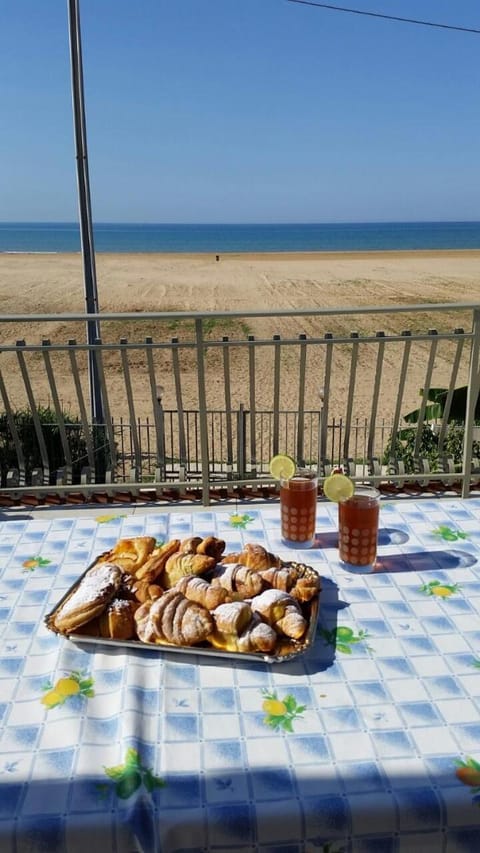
325,393
300,456
182,443
168,316
351,391
34,410
14,432
276,393
82,407
58,412
131,405
253,403
202,404
157,412
106,410
425,392
228,400
401,388
376,394
451,388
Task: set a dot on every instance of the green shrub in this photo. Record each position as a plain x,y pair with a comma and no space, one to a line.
23,420
403,447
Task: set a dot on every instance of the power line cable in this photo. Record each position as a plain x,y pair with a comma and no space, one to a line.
386,17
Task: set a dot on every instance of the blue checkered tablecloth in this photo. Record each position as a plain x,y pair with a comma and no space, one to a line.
368,742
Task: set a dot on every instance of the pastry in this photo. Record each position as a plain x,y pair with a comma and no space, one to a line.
199,590
212,547
190,545
255,557
95,590
178,565
281,611
130,554
255,636
233,617
117,620
155,563
237,578
301,583
172,618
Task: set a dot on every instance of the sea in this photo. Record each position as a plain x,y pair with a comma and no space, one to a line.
59,237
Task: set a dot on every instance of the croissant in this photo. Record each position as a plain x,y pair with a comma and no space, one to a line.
281,611
190,545
294,579
232,617
95,590
237,578
172,618
212,547
118,621
255,557
178,565
199,590
143,591
130,554
156,562
257,636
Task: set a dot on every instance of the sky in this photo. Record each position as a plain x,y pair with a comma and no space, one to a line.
242,111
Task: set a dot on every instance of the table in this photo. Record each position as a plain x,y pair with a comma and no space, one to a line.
368,742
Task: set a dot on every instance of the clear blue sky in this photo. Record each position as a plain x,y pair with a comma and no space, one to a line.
242,111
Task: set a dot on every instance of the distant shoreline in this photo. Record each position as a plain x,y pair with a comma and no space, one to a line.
353,254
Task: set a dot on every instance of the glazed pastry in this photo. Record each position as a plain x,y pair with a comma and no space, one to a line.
281,611
130,554
255,557
199,590
232,617
212,547
95,590
237,578
153,567
301,584
117,620
189,546
172,618
144,591
178,565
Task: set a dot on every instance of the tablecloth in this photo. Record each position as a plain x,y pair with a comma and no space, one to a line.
370,741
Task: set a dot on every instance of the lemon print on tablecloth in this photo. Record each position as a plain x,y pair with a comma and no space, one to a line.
35,563
104,519
441,590
241,521
342,638
130,776
280,712
74,684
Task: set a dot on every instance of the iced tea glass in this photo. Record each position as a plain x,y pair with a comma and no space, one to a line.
298,508
358,529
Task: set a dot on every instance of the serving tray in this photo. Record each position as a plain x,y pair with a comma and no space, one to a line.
286,650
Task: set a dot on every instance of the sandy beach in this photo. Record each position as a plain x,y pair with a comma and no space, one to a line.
36,283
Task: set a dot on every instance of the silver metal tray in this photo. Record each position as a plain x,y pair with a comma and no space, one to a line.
289,649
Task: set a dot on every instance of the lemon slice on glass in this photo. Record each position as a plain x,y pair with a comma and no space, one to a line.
282,467
338,488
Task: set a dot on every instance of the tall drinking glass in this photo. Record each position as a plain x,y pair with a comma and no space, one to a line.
298,507
358,529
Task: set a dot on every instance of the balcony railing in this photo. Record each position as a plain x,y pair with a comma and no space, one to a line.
198,414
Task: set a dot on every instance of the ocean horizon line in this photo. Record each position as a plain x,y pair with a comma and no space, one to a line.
201,238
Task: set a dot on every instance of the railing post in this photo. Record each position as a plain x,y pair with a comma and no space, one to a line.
202,406
241,443
473,388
